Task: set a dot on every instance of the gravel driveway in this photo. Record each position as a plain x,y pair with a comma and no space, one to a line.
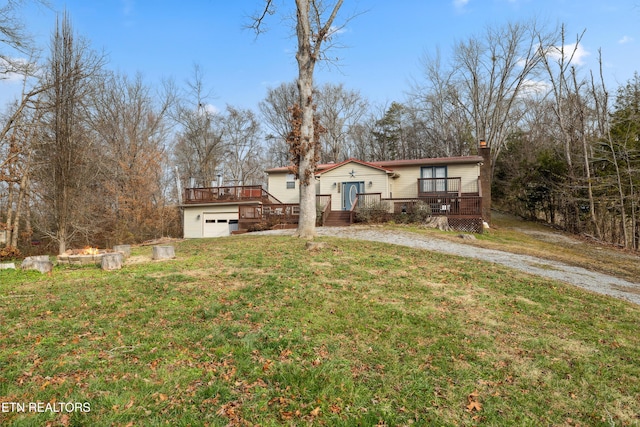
590,280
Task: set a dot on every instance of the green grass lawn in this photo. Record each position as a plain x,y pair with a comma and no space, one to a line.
256,330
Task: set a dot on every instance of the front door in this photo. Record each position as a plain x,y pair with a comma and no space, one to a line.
350,191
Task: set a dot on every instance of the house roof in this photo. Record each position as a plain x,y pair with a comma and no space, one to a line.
389,165
430,161
327,167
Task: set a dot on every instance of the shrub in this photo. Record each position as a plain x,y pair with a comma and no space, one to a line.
9,252
415,212
373,213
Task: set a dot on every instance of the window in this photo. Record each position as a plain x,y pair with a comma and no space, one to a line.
436,179
291,183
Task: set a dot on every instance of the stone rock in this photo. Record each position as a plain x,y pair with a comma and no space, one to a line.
163,252
112,261
7,266
125,249
40,263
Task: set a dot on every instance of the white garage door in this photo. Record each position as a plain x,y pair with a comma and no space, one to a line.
219,224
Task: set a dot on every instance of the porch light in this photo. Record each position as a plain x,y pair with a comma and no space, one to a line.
370,183
335,184
198,217
483,143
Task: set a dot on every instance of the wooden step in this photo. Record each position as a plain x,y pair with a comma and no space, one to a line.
338,219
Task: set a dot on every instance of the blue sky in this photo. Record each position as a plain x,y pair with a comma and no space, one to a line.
382,45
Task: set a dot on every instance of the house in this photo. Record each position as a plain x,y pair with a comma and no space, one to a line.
448,187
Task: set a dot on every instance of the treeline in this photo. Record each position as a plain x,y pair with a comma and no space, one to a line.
93,157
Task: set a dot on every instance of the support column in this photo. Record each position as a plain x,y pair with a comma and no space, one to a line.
485,180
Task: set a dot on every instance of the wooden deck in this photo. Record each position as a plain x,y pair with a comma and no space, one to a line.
230,194
257,206
464,205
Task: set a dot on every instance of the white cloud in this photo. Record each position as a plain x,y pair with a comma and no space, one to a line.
579,53
208,109
333,30
531,88
12,77
625,39
459,5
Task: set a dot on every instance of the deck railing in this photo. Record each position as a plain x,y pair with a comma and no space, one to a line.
281,213
429,186
469,205
227,194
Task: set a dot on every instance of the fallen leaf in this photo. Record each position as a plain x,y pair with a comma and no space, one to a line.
474,406
315,412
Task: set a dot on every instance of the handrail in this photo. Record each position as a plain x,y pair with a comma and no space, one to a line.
325,211
352,211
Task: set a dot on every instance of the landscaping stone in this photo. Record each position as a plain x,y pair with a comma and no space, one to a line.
163,252
112,261
124,249
7,266
40,263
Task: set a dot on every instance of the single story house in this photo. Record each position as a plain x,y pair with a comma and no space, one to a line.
450,186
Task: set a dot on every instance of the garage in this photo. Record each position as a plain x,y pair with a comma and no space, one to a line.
219,224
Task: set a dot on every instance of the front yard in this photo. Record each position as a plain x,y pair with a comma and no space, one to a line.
257,330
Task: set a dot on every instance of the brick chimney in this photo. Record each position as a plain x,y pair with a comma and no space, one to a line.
485,179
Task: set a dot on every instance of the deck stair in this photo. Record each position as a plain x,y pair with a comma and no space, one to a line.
338,219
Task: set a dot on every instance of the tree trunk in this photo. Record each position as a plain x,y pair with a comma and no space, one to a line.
24,183
9,213
585,153
306,169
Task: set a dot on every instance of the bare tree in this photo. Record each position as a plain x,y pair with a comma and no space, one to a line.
314,32
276,111
447,129
199,148
570,108
16,168
15,39
66,153
131,131
491,75
339,109
241,138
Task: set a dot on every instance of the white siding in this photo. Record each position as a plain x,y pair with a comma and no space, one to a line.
277,187
362,173
406,185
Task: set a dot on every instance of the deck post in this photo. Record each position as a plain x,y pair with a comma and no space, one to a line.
485,180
